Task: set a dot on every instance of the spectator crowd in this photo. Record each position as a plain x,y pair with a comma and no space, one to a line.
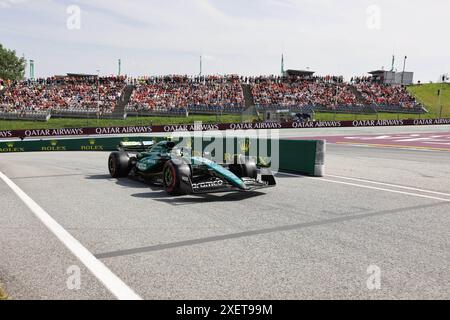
63,93
299,92
175,92
382,95
331,93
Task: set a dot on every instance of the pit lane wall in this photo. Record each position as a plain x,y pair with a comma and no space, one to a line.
295,156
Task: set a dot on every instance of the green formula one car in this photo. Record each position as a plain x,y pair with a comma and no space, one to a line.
181,173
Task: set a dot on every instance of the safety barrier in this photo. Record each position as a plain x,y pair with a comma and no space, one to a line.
98,131
296,156
42,116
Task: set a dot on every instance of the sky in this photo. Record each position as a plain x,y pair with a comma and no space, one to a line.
246,37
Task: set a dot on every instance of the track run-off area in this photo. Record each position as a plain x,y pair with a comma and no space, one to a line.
383,208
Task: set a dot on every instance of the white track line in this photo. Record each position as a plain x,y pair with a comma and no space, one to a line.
387,190
390,185
370,187
113,283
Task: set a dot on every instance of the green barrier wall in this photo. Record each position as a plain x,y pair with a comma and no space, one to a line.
58,145
296,156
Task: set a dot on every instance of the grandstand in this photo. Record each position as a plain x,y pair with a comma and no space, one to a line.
88,96
180,94
69,96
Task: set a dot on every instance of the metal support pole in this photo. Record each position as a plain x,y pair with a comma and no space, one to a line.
404,67
32,69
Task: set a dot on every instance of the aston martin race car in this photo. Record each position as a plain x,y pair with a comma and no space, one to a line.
181,173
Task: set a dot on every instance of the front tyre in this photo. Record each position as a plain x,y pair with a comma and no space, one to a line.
244,168
119,165
173,173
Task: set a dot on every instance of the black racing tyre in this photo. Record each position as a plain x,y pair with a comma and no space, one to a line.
250,170
244,168
237,169
173,172
119,165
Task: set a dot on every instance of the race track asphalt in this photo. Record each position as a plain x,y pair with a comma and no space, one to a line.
307,238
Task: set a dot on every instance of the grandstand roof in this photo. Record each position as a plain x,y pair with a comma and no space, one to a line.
81,75
302,73
378,72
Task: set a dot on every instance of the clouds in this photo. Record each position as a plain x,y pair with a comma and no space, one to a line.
9,3
159,37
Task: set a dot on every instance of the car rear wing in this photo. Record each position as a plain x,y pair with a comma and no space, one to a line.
136,146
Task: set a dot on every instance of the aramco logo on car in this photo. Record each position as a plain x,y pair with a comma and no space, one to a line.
208,184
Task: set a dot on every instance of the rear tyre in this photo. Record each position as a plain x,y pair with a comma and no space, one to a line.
119,165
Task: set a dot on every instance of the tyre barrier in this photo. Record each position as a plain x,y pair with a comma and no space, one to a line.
294,156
